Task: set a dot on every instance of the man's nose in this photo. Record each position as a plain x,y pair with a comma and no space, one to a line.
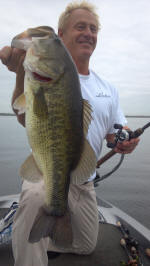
88,31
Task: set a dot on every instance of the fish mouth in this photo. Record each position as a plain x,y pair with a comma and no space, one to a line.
36,74
40,77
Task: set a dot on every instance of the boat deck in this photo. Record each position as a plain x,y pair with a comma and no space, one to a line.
108,251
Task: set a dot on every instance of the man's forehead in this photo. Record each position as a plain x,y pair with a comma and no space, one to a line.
82,16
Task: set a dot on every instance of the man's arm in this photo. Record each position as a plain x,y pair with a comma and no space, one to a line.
13,59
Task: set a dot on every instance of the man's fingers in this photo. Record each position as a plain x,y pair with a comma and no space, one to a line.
5,54
126,146
11,57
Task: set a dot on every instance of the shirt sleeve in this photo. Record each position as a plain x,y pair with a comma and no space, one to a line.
118,117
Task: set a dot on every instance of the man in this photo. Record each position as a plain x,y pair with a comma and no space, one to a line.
78,29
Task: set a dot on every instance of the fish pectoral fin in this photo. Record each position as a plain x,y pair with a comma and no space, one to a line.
30,171
20,104
57,228
86,166
40,107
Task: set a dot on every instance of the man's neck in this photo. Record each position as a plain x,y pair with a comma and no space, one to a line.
82,67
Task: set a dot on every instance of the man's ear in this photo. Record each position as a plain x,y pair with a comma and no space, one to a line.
60,33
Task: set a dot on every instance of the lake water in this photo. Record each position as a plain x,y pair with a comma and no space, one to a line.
128,188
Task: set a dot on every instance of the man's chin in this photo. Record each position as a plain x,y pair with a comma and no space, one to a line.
86,53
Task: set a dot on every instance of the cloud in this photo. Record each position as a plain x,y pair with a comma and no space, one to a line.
122,55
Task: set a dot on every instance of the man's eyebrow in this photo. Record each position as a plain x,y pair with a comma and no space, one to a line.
84,22
80,22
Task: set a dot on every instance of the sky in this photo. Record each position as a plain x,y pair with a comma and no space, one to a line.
122,55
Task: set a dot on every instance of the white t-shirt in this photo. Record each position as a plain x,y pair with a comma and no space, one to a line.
104,100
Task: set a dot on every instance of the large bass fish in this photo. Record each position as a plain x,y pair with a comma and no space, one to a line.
57,121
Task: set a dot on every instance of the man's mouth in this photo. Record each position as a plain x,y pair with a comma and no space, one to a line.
86,42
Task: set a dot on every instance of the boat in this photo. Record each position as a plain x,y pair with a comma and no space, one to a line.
114,227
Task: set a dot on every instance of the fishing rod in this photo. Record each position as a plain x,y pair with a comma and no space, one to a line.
120,136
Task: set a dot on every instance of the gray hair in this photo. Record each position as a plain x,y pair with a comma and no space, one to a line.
63,19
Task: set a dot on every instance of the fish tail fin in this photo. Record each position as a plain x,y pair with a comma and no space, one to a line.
57,228
42,226
62,234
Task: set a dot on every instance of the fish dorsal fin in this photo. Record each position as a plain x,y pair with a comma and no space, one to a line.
30,171
20,104
87,116
87,164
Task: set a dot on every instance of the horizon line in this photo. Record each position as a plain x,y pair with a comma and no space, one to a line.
141,116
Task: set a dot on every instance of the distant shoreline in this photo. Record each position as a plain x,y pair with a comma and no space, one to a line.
138,116
134,116
7,114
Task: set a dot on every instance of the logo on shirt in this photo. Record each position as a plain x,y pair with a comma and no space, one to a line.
102,94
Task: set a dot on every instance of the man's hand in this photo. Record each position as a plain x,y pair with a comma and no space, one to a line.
126,146
11,57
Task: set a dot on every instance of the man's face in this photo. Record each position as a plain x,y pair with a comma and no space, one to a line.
80,34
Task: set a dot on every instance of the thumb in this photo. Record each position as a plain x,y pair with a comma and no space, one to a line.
5,54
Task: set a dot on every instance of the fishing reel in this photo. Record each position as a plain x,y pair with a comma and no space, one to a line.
125,134
120,136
